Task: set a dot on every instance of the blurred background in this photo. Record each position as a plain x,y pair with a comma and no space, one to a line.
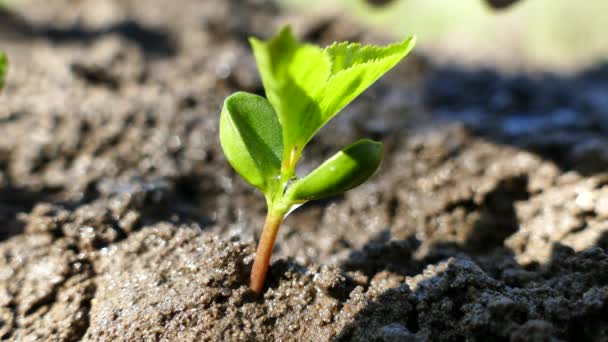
540,35
555,35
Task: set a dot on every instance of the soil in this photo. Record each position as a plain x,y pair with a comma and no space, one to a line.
121,220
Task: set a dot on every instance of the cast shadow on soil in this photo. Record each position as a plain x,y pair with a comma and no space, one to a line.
154,42
383,319
15,200
559,118
159,200
401,322
497,221
155,201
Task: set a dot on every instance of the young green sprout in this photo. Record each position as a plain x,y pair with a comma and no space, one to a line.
263,138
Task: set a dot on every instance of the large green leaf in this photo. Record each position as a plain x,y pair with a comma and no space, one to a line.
292,73
3,67
344,171
354,69
307,85
250,135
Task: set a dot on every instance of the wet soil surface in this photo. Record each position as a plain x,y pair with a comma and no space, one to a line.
120,219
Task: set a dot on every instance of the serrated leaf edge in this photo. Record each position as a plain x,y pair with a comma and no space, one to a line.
408,42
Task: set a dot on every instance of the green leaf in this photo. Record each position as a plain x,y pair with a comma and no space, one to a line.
307,85
3,68
291,72
355,68
344,171
250,135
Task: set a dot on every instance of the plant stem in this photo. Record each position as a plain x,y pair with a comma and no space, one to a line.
262,256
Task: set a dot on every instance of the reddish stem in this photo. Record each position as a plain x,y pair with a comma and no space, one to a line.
262,256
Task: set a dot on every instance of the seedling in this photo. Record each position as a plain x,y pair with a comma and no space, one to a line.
3,67
306,86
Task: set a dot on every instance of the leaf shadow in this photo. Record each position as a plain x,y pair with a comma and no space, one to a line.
258,146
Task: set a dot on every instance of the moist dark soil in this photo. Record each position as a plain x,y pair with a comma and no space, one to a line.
120,219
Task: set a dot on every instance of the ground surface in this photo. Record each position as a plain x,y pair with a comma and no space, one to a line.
120,219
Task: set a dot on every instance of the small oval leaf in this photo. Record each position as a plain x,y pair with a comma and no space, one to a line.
344,171
250,135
